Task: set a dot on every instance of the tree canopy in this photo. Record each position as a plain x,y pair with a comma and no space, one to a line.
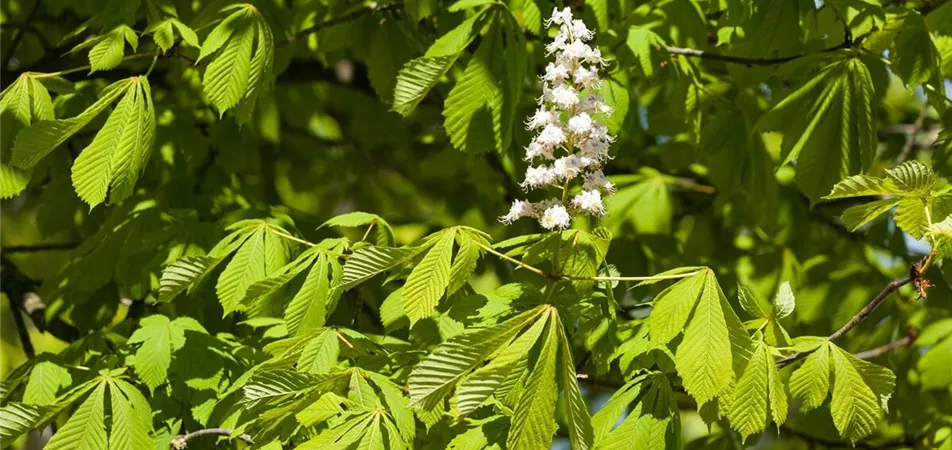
505,224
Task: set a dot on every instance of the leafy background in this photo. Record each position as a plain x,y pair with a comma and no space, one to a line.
169,166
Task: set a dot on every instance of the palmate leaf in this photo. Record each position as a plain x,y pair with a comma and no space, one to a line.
429,279
131,417
581,435
240,71
855,407
433,377
86,427
652,422
185,273
22,103
262,254
914,56
418,76
159,337
360,219
533,419
120,150
754,400
398,405
832,107
41,138
46,379
308,309
368,262
810,383
672,307
107,52
482,383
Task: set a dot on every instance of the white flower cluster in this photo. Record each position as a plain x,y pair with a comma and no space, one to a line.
570,143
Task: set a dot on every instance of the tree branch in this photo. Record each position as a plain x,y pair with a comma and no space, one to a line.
180,442
18,35
886,348
912,134
893,286
371,8
743,60
32,248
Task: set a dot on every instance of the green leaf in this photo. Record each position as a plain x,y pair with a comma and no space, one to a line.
429,279
464,263
120,150
260,79
860,186
320,354
647,205
607,417
855,407
18,418
46,379
859,215
785,302
418,76
367,262
86,427
384,231
581,434
433,377
748,408
912,216
245,268
482,383
533,420
934,364
226,79
750,302
914,56
644,44
107,53
834,107
308,308
672,307
810,383
188,35
159,337
704,358
912,177
37,141
131,417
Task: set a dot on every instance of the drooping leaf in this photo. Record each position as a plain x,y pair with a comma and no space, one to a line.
533,421
835,106
86,428
429,279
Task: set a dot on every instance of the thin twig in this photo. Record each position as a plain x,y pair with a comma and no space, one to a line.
743,60
180,442
912,134
18,35
291,238
642,278
516,262
131,57
22,332
886,348
32,248
371,8
893,286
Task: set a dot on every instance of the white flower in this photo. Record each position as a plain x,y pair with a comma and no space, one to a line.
580,31
589,201
567,167
560,17
537,177
564,96
587,78
584,140
551,135
542,118
597,180
576,50
580,124
555,217
519,210
594,56
555,73
535,150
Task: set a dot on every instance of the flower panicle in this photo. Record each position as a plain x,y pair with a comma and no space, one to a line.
571,143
